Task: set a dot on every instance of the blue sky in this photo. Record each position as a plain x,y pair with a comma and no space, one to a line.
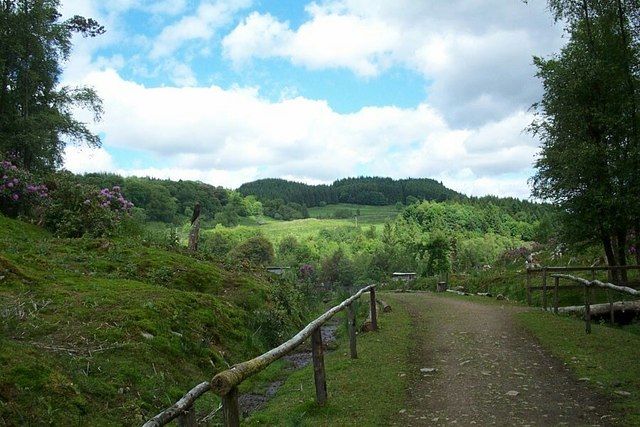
229,91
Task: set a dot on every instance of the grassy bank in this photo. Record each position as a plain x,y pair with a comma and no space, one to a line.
111,331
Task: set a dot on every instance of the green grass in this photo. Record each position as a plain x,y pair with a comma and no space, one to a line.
608,356
355,386
112,331
376,215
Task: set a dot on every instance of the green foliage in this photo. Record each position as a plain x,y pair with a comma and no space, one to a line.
372,191
75,210
256,250
587,121
19,195
338,270
35,114
110,331
284,315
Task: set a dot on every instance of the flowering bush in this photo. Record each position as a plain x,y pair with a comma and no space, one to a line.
80,209
18,194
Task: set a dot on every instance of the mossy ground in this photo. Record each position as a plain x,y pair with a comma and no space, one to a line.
111,331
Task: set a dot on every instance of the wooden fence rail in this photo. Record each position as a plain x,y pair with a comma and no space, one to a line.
587,285
225,384
546,271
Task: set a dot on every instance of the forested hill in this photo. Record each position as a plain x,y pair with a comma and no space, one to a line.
362,191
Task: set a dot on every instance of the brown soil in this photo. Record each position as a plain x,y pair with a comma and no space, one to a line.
488,371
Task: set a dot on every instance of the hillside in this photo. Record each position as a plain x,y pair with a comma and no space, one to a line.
363,191
109,331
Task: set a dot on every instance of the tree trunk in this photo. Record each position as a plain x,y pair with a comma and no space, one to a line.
194,235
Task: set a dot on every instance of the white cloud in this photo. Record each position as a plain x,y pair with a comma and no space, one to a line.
325,41
227,137
81,159
201,26
477,56
474,56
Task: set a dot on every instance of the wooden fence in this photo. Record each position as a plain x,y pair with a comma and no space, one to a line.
587,285
552,271
225,384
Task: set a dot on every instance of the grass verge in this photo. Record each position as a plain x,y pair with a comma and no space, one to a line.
608,357
369,390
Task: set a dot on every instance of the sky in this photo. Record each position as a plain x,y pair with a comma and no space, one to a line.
230,91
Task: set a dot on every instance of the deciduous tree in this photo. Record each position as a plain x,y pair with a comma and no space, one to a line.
36,117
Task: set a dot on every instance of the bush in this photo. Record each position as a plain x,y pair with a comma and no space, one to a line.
18,194
76,210
256,250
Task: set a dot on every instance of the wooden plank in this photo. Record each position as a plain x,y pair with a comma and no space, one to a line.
318,367
561,287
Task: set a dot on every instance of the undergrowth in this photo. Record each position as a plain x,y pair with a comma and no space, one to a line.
112,331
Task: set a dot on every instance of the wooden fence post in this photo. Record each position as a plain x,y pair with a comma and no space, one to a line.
351,325
529,273
231,409
188,418
318,366
587,309
373,309
556,289
194,235
544,289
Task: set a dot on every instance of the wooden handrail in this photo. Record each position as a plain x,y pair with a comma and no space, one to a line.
178,408
600,284
225,380
587,284
225,383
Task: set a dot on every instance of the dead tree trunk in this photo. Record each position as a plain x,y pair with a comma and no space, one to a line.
194,234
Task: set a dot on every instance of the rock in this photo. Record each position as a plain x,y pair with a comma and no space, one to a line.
500,297
146,335
584,380
512,393
622,393
428,370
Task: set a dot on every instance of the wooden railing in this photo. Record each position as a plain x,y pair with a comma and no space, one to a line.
225,384
587,285
548,271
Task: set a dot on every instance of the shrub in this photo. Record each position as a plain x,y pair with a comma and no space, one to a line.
77,209
18,194
256,250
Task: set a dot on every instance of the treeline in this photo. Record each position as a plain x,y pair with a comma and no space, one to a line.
374,191
171,201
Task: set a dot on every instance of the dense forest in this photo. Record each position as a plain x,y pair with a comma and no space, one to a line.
375,191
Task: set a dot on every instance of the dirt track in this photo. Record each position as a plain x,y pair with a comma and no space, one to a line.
488,371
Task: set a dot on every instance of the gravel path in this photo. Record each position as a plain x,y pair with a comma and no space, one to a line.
487,370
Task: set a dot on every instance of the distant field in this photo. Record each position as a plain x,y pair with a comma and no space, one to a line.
301,228
367,214
323,218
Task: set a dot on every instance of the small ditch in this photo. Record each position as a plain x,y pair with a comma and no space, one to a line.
250,402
